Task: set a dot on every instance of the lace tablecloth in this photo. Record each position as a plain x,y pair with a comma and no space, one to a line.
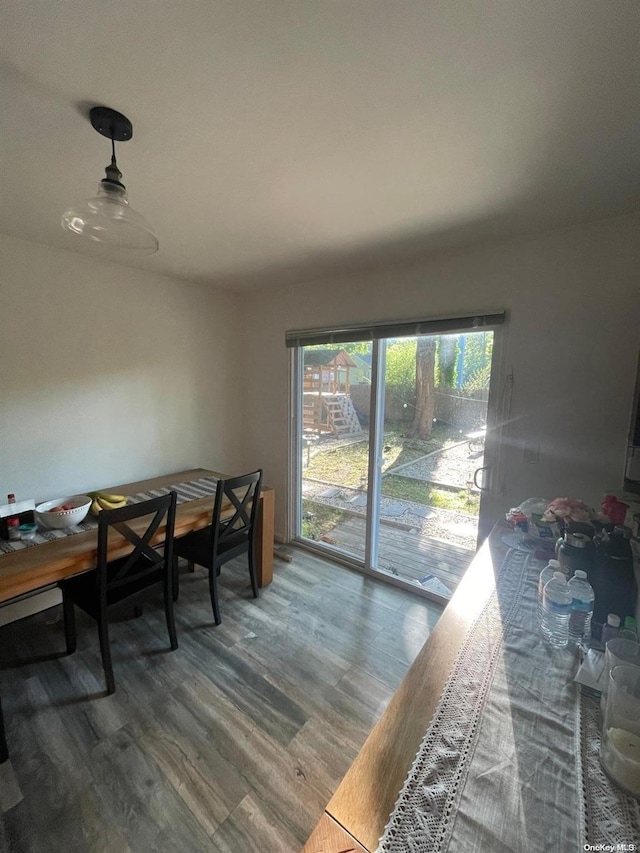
510,761
188,491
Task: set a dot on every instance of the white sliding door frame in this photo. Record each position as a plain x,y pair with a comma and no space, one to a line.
376,434
293,521
497,421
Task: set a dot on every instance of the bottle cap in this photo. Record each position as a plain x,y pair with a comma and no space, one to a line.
13,522
554,564
559,575
630,623
579,574
613,620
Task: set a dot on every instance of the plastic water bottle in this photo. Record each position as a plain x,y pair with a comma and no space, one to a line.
581,608
556,610
545,576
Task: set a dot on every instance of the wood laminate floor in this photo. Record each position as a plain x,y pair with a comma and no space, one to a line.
233,743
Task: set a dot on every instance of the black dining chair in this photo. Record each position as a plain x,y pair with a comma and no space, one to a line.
122,584
228,536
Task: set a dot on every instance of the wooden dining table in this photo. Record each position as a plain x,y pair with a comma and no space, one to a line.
36,568
355,817
40,566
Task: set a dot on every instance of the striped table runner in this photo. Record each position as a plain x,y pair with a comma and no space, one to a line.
188,491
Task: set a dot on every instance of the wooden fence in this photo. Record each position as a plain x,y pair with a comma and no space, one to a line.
465,413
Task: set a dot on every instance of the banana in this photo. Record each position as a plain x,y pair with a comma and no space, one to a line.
105,504
103,500
113,499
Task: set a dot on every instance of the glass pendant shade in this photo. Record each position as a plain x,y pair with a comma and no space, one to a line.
108,218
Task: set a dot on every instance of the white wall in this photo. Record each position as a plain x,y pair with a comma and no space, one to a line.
110,375
573,300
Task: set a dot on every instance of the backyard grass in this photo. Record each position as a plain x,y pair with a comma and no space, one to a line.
408,489
319,519
347,464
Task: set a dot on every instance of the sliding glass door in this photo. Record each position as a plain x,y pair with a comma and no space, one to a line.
389,445
432,449
334,384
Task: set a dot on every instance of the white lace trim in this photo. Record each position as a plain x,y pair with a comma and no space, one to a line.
611,817
422,819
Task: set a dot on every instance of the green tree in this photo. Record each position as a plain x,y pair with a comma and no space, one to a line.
359,347
478,352
401,363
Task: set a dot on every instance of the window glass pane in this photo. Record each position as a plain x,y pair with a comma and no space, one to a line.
335,445
429,453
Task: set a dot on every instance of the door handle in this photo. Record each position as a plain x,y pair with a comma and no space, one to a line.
480,488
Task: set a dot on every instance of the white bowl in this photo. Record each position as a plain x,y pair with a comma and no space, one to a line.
64,517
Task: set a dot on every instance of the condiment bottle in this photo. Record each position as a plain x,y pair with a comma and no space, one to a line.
13,528
13,522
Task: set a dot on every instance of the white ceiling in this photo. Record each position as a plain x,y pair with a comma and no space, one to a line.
273,137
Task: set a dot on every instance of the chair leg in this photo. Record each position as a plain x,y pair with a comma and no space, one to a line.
213,592
252,573
69,616
168,612
175,579
191,566
105,651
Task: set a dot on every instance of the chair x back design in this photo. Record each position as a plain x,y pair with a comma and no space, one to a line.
127,581
228,536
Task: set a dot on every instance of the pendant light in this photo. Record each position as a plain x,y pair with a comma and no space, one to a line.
108,217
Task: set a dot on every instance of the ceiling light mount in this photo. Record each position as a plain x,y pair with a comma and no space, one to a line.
111,124
108,218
